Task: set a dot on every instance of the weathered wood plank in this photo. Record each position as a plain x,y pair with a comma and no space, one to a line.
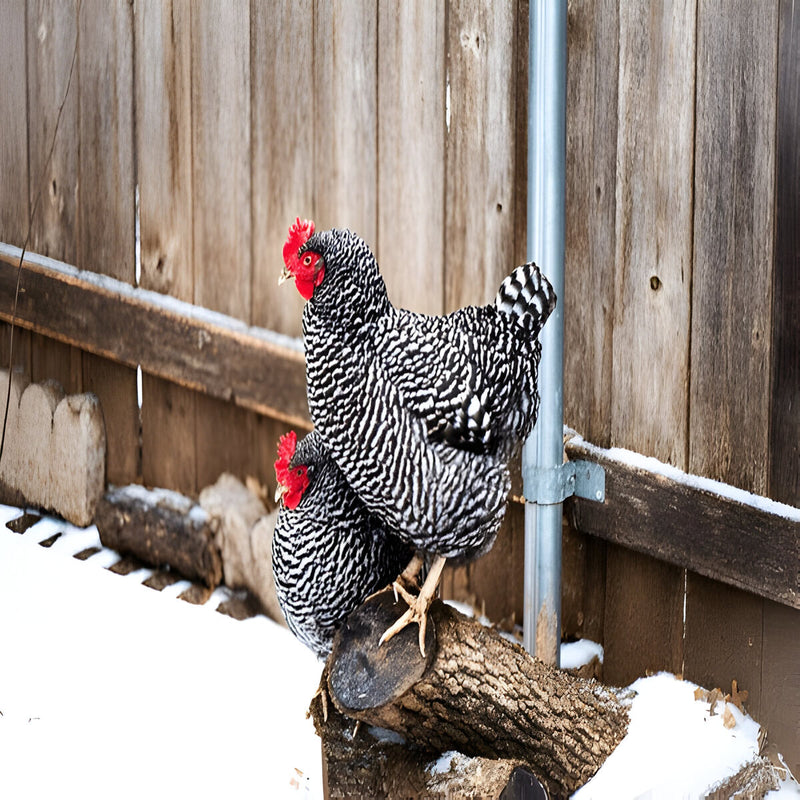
480,200
733,242
723,638
283,178
195,348
106,203
592,74
411,110
643,627
345,133
780,690
784,442
52,41
220,90
653,229
13,128
748,542
164,174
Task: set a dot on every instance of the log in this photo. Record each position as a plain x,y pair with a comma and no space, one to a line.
475,692
160,527
368,762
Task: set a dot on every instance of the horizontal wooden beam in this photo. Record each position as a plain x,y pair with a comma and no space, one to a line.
741,539
188,345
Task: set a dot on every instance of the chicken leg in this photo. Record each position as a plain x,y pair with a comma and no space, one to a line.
417,606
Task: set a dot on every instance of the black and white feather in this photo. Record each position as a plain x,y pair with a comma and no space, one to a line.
330,553
423,413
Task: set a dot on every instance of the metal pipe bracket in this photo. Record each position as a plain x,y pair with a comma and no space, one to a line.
552,485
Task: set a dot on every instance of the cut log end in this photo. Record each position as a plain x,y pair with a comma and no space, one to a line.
365,674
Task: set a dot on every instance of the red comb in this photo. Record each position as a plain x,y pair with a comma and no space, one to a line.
299,233
286,447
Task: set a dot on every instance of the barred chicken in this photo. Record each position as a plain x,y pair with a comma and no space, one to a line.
329,553
422,414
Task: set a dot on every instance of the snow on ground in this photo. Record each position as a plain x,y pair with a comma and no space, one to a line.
111,689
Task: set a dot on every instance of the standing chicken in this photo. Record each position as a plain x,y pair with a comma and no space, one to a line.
422,414
328,552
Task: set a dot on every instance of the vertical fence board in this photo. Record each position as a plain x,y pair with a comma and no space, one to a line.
225,435
411,110
643,624
591,164
480,151
653,229
781,689
651,309
14,158
723,638
592,74
52,32
480,209
164,174
780,703
784,443
345,109
14,125
734,190
283,124
106,207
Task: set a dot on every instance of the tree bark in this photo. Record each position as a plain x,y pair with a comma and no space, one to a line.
475,693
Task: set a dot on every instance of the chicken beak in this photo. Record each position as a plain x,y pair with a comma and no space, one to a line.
285,276
280,492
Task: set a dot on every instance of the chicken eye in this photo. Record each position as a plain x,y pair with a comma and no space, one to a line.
307,261
298,471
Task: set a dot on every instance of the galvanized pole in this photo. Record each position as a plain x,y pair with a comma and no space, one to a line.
543,452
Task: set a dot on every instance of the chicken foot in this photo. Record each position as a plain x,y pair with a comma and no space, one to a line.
417,606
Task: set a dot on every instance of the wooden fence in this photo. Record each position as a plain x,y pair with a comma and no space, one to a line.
194,132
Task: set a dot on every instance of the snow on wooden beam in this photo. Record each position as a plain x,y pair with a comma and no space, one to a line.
180,342
709,527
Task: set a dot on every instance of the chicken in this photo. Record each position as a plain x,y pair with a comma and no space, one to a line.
328,552
421,413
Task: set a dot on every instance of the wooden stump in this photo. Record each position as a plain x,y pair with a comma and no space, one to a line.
475,693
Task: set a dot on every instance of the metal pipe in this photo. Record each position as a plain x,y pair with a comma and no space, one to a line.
547,81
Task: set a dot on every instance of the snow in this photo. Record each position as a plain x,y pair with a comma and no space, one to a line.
576,654
111,689
649,464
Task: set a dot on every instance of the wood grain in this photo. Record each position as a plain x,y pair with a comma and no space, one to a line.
13,129
693,527
653,229
283,126
164,173
106,204
592,75
480,200
411,108
733,243
214,355
784,442
52,31
724,638
345,110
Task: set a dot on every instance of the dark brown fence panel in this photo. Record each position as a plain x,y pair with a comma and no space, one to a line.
106,208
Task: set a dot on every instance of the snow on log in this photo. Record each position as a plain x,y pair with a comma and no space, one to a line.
54,455
160,527
475,693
